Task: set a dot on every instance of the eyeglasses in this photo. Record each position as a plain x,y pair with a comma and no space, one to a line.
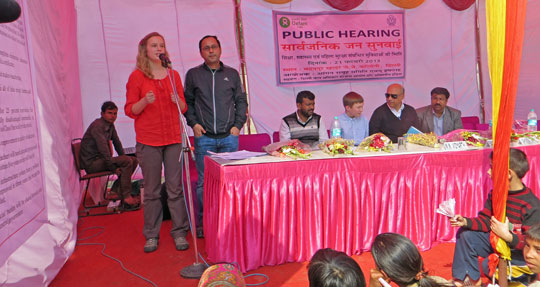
394,96
207,48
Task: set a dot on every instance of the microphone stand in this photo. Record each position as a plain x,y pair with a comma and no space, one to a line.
195,270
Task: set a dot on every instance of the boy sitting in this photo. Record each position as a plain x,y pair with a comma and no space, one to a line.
522,210
531,251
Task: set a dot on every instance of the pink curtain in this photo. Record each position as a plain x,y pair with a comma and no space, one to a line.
344,5
459,5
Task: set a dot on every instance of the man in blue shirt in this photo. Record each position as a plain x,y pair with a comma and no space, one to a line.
353,124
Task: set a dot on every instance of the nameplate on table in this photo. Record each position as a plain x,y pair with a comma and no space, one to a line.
461,145
527,141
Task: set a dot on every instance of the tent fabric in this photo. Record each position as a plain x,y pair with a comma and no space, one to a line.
439,54
514,32
344,5
495,19
56,75
407,4
278,1
459,5
95,41
527,94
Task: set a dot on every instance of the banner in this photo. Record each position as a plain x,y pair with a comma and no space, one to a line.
21,181
333,47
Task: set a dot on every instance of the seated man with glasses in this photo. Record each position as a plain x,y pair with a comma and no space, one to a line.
393,118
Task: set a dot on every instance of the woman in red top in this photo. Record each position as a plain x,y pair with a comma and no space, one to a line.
151,102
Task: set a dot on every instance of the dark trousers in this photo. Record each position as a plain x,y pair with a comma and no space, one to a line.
152,159
469,246
127,165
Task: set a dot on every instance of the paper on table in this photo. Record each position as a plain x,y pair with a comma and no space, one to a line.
447,208
235,155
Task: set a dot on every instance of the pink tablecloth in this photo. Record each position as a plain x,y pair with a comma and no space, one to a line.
268,214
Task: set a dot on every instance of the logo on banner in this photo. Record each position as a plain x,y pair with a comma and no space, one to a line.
391,20
284,22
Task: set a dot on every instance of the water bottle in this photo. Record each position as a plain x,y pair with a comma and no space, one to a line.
335,129
532,121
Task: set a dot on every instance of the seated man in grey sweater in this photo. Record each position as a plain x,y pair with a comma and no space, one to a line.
304,124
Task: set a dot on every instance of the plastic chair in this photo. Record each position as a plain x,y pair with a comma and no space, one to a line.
253,142
83,176
470,123
275,137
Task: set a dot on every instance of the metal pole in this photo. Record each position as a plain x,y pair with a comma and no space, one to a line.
196,269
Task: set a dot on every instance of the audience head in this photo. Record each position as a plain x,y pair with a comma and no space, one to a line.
150,47
394,96
210,49
305,103
222,275
439,99
108,105
109,111
531,251
518,162
354,104
330,268
397,258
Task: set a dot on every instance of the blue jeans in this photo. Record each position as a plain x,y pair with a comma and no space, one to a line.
469,246
203,144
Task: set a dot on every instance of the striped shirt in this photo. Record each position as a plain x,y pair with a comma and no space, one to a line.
522,208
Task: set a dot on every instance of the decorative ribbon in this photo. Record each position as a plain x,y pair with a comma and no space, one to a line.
506,28
278,1
459,5
344,5
407,4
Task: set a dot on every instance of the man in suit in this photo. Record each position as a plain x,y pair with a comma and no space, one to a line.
438,117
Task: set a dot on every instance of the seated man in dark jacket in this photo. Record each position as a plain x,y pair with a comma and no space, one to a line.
393,118
96,154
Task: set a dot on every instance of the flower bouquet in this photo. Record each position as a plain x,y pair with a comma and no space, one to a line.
429,140
294,149
376,142
534,136
473,138
337,146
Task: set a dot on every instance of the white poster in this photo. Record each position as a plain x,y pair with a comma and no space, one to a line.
21,182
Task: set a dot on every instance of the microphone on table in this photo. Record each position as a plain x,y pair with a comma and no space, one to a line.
165,62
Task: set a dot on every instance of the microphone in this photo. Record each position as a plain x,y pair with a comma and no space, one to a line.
165,62
9,11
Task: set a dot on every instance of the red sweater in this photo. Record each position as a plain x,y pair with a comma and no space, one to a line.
522,207
158,124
